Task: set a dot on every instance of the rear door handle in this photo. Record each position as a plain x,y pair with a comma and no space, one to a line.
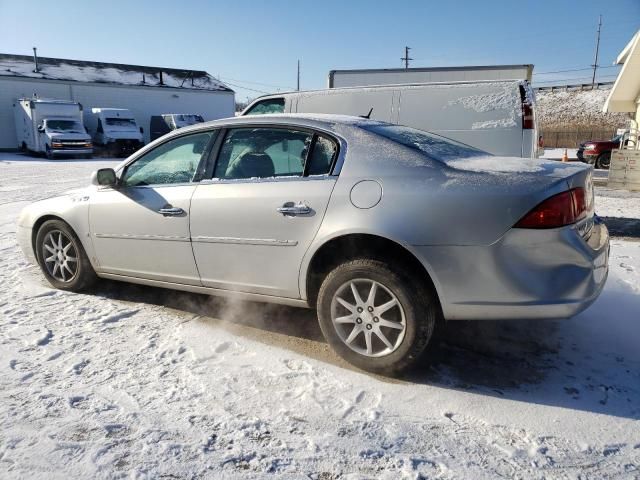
171,212
292,209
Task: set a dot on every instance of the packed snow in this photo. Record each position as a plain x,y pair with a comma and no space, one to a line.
135,382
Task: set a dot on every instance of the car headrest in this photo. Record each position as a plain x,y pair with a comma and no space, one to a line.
252,165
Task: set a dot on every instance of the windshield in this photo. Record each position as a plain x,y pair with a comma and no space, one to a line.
189,119
435,146
67,126
121,122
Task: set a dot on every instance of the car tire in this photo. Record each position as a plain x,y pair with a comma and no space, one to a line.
416,312
65,267
48,153
604,160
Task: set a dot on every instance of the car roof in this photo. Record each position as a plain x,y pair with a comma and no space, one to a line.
309,120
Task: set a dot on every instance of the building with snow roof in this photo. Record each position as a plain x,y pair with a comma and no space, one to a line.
144,90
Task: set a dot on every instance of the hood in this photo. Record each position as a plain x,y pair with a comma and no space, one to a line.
68,136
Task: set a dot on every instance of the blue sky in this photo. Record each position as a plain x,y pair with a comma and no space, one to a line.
255,44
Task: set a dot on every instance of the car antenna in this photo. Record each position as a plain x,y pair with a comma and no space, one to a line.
368,115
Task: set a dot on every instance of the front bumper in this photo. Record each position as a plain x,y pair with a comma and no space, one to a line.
528,274
24,236
587,156
72,151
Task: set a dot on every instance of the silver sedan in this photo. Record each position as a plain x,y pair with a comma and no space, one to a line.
386,230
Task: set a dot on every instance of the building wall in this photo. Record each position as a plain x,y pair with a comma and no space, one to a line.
142,101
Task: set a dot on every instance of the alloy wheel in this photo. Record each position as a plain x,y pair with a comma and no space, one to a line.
368,317
60,256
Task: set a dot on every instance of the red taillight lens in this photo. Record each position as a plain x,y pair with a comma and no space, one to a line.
562,209
527,110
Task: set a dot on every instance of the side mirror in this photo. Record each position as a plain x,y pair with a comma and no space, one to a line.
141,130
105,177
41,128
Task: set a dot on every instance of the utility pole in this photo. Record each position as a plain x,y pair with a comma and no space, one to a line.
298,84
595,62
406,58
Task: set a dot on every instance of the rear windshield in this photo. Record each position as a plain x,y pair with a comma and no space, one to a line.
435,146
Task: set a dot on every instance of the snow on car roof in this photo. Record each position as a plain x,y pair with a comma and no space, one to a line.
109,73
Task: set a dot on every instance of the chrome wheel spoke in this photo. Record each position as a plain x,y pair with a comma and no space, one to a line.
346,319
385,307
50,249
72,259
372,294
52,258
62,274
345,304
387,323
356,295
354,333
65,266
66,249
55,269
367,339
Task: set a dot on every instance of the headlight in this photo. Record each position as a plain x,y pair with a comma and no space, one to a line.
590,147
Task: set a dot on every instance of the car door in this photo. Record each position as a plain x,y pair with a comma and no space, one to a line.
253,222
140,228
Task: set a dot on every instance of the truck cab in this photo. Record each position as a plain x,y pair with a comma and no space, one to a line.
115,129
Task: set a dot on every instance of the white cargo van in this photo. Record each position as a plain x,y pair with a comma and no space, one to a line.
160,125
114,129
52,127
495,116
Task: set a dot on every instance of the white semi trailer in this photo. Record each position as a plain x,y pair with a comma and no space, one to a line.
52,127
497,116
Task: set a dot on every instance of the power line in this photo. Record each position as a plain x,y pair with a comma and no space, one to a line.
574,70
256,83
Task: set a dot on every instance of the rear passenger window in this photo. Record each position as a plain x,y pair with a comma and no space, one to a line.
321,158
265,107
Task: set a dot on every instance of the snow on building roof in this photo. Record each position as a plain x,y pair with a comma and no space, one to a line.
109,73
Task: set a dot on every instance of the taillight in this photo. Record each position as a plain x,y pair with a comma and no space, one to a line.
527,110
562,209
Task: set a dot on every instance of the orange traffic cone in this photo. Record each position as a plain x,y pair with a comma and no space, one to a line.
565,157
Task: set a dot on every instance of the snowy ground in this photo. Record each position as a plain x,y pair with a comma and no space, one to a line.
135,382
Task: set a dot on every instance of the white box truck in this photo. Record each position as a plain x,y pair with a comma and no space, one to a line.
495,116
397,76
115,130
52,127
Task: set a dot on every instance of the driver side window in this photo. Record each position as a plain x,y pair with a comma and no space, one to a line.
172,162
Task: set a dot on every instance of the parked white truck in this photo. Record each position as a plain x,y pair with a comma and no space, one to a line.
497,116
115,130
52,127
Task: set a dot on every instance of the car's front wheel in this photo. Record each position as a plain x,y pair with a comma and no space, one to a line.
62,258
604,160
375,317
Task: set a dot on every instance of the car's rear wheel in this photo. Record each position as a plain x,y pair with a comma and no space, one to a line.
375,317
604,160
62,258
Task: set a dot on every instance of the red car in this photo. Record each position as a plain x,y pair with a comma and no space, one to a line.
598,152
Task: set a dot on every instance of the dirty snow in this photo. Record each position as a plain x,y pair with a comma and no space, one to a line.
135,382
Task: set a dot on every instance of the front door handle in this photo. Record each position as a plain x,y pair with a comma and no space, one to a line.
292,209
171,211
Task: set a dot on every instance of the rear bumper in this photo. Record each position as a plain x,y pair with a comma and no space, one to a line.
528,274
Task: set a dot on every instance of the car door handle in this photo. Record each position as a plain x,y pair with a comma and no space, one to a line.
171,211
290,208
